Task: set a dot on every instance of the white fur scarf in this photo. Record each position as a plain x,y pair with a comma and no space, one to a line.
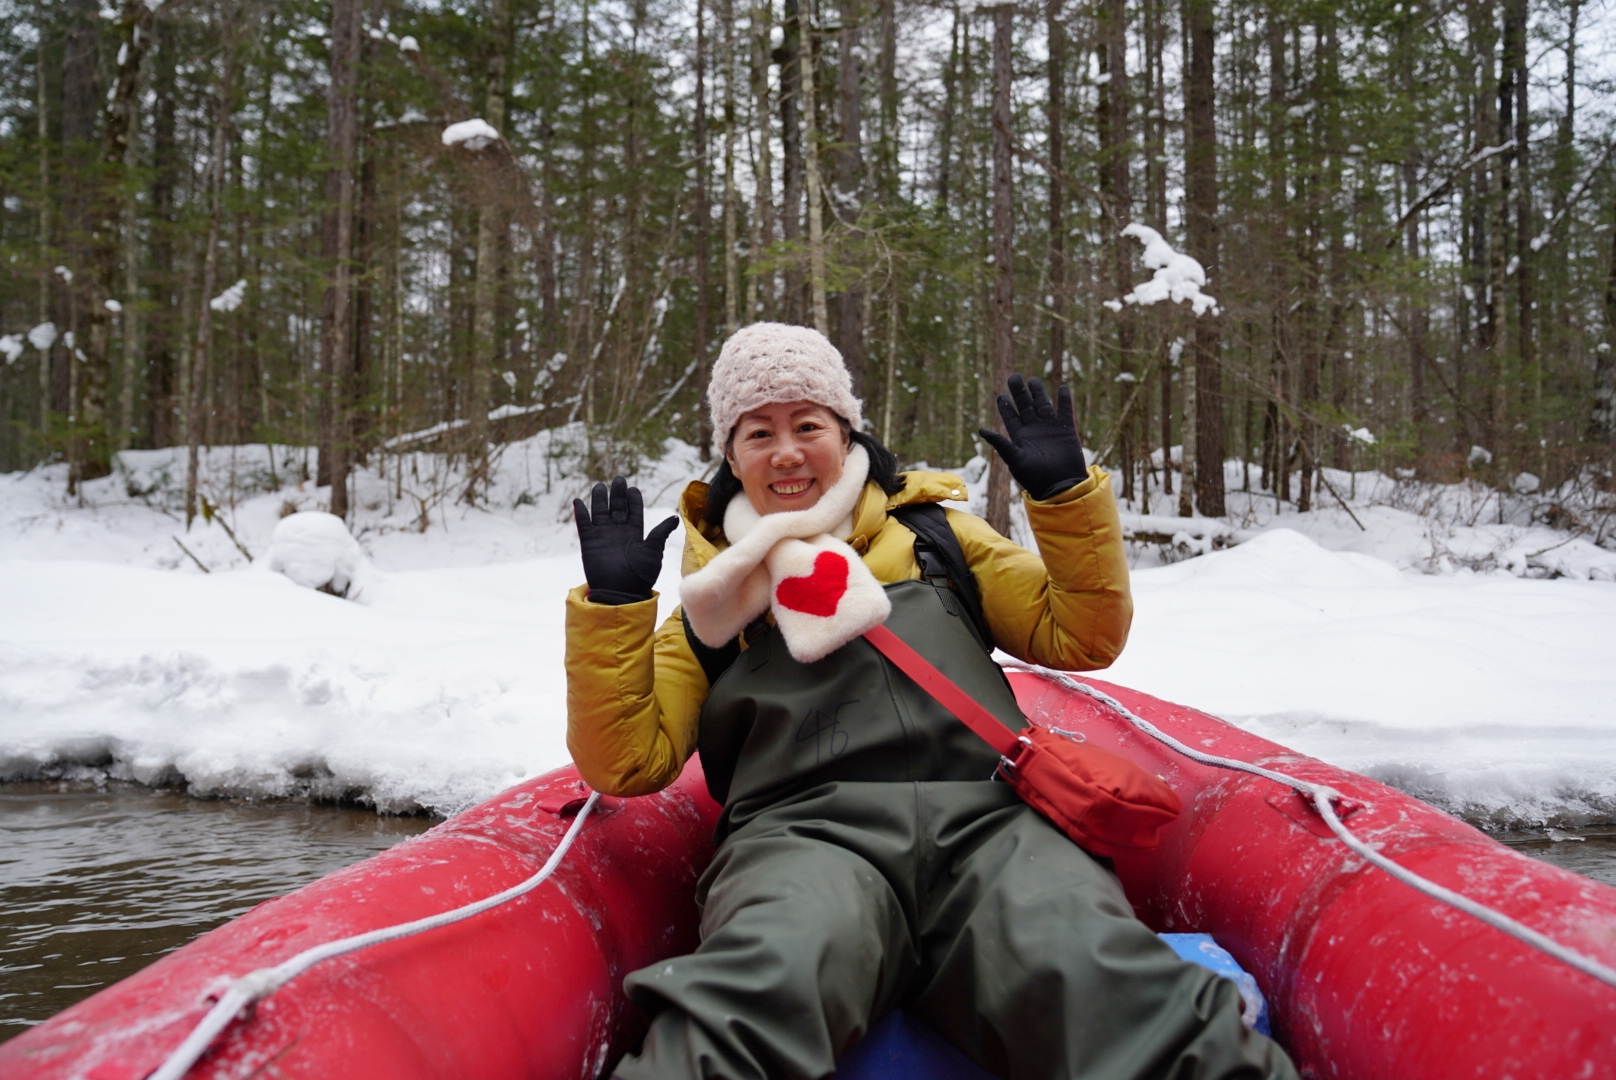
822,594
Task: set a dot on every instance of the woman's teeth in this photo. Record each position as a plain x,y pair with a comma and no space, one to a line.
791,487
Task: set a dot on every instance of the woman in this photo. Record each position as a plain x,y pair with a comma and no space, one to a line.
866,859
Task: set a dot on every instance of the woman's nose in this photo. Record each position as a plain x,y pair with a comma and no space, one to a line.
787,453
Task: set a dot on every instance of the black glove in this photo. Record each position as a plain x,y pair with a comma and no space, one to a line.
621,568
1042,450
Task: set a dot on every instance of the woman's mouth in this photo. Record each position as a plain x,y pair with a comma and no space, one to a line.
790,487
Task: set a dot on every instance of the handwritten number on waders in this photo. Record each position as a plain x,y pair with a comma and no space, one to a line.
825,730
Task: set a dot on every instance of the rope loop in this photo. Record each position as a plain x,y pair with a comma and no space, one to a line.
254,986
1324,799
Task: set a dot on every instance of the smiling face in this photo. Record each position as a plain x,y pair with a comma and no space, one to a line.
787,455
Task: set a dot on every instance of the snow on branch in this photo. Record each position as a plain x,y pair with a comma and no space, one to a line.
11,345
476,134
1178,277
1572,200
231,298
43,336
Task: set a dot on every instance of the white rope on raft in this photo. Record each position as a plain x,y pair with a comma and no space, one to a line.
1323,797
257,985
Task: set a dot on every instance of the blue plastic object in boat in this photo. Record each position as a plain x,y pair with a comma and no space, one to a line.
900,1047
1201,949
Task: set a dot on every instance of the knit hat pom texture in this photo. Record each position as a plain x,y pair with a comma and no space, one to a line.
770,363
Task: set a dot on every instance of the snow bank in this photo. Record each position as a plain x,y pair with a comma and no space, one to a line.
437,684
1485,694
1413,650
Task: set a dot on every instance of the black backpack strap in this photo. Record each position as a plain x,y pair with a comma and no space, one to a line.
713,661
935,543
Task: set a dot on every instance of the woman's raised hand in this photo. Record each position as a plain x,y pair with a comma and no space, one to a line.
1042,449
620,565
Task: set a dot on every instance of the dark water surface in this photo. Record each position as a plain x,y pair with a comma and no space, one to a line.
97,882
1589,851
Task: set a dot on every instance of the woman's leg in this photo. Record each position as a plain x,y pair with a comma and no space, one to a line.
803,944
1034,964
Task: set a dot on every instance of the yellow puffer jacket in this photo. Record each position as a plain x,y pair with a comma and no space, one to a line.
635,691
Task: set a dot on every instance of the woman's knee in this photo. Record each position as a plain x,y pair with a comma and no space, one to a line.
804,908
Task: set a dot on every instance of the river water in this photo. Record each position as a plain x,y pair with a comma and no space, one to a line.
96,882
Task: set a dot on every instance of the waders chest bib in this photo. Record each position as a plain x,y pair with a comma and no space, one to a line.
773,727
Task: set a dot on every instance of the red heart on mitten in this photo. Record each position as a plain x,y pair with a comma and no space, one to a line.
819,592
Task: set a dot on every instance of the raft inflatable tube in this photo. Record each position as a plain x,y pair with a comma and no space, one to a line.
1365,978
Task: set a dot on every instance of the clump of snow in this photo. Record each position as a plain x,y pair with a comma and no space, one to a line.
231,298
316,550
113,306
408,44
1479,456
475,134
65,274
43,336
1525,483
1178,277
11,345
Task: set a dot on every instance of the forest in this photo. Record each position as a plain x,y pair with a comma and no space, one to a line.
1291,235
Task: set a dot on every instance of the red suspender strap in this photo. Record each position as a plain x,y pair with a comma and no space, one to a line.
940,686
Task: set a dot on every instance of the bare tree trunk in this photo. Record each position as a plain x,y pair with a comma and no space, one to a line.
1602,420
760,299
886,168
951,79
1003,251
810,161
342,140
550,336
210,266
1187,472
1056,33
789,57
848,162
45,195
492,229
1493,226
732,263
106,209
1515,62
81,204
165,325
703,215
1156,195
1117,187
1418,311
1201,214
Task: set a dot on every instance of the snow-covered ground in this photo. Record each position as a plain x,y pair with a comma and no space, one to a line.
1432,648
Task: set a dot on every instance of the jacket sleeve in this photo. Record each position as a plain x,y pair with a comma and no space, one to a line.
1070,609
634,695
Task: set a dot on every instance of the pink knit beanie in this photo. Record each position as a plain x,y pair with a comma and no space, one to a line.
767,363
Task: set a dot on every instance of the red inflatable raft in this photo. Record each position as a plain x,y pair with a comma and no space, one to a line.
1365,978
